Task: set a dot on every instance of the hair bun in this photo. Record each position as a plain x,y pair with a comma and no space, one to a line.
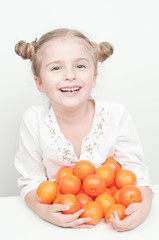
25,50
104,51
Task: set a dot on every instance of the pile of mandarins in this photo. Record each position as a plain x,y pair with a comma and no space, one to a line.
99,191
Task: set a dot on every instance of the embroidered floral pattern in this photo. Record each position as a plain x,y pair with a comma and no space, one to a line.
90,144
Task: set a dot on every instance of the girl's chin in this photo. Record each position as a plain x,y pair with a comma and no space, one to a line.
70,104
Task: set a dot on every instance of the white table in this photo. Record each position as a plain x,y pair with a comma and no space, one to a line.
18,222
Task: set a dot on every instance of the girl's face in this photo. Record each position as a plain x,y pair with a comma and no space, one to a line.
67,73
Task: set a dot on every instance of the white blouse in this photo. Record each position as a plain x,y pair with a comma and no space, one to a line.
42,149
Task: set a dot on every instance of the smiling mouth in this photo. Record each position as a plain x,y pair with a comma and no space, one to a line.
76,89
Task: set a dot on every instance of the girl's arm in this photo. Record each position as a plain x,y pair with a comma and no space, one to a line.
52,213
136,212
129,153
29,163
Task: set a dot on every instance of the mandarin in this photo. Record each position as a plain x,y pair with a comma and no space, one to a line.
71,201
105,200
116,196
107,173
47,191
57,198
94,185
113,188
63,172
112,163
108,191
125,177
83,168
83,198
130,194
94,210
70,184
119,208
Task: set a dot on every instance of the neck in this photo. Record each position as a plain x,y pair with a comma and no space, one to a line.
73,115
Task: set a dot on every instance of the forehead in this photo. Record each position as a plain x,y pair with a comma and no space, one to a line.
66,48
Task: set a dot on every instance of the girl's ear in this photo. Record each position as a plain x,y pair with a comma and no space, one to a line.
95,79
39,84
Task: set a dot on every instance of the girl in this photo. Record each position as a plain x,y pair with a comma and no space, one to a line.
72,126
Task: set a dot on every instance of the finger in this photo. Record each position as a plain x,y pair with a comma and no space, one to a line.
79,222
59,207
131,208
110,224
118,226
111,218
84,226
122,225
73,217
116,216
115,220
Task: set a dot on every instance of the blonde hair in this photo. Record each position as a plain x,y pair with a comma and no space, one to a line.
99,52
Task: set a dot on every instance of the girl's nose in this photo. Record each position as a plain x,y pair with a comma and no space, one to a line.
70,74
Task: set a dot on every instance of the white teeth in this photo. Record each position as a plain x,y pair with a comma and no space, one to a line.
69,89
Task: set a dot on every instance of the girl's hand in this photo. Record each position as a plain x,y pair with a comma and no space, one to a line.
136,213
135,216
54,215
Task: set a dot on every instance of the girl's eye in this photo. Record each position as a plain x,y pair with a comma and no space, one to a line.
55,68
80,66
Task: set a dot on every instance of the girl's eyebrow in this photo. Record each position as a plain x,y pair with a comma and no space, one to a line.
60,61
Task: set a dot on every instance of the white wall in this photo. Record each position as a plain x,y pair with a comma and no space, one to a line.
131,75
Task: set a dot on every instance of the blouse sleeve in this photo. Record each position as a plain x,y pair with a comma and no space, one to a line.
128,149
28,157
